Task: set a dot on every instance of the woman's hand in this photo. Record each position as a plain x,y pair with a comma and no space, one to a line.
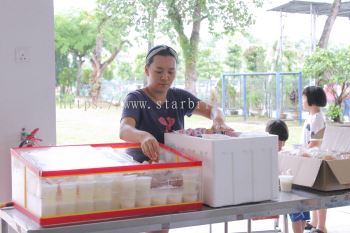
150,147
219,123
220,126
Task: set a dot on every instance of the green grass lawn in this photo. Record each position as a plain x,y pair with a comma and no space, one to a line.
87,125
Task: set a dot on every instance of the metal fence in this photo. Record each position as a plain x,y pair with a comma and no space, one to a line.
271,94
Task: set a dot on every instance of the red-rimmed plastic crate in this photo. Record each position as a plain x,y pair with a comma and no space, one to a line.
79,183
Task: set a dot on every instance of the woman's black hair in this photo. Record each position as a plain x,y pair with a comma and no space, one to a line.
279,128
315,96
162,50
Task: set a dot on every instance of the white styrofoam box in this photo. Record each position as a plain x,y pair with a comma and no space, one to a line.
235,170
336,138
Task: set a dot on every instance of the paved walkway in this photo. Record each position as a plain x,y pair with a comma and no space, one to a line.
338,221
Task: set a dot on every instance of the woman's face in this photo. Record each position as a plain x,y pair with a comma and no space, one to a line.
161,73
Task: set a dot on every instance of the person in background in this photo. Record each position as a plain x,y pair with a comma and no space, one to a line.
346,102
150,112
314,98
329,90
280,128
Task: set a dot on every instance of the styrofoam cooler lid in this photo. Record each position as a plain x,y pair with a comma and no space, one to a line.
336,138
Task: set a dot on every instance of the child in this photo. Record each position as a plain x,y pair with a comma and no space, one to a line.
313,99
279,128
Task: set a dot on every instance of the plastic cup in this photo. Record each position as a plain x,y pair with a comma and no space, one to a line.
127,203
103,205
143,184
85,207
174,197
69,192
49,210
286,182
48,191
190,197
143,200
115,201
158,197
66,208
86,191
128,185
190,182
116,183
103,190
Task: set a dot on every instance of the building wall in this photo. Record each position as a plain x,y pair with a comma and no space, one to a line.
27,83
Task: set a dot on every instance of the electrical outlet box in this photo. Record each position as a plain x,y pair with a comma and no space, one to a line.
22,54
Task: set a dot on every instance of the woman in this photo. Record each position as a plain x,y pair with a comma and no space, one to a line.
157,108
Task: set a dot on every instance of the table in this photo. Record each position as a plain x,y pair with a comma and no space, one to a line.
296,201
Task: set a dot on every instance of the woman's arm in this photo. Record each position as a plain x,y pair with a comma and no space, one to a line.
214,114
149,144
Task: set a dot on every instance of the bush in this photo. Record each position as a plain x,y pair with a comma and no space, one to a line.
334,112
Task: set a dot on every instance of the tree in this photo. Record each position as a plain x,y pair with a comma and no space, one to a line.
331,67
125,70
208,67
113,21
139,66
70,42
66,80
234,58
146,22
323,42
255,57
233,15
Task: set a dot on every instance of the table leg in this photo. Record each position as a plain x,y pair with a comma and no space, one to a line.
226,227
285,223
4,227
249,230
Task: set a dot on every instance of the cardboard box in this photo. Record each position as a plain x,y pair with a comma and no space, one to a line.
235,170
323,175
318,174
65,184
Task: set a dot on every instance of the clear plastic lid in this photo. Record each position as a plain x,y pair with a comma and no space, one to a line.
76,157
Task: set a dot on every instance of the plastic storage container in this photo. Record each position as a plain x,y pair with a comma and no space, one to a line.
58,185
236,170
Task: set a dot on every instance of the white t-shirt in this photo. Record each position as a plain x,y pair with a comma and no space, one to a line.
312,125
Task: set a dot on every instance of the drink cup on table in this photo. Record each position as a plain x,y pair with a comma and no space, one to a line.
286,182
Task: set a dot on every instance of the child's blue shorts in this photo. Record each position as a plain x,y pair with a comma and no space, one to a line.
302,216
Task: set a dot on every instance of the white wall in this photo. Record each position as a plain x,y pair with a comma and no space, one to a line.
26,88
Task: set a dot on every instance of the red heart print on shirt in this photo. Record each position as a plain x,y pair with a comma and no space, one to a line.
168,123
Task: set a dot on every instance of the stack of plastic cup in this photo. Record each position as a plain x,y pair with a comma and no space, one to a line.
49,192
159,197
68,198
103,193
175,196
128,191
190,186
143,191
116,191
